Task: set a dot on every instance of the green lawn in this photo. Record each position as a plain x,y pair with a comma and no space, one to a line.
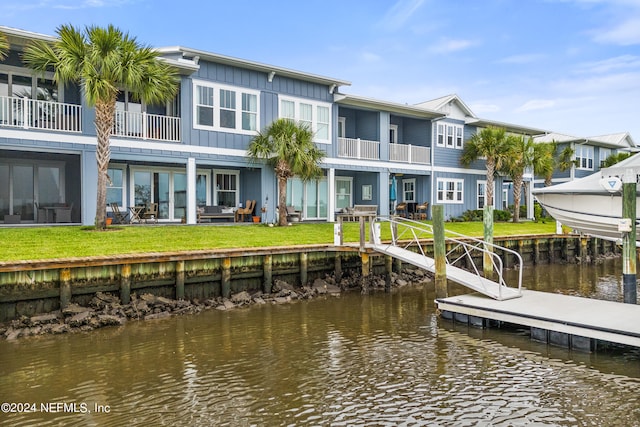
31,243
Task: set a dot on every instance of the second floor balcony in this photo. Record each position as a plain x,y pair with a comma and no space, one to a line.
407,153
37,114
25,113
356,148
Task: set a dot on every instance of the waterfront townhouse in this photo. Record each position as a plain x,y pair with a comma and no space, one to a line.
191,152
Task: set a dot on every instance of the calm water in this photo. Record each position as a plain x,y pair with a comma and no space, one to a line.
384,359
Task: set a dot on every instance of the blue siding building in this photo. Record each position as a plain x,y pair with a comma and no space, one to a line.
191,152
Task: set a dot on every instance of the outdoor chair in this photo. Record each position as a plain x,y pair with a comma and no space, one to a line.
118,216
248,210
421,211
401,210
62,213
293,215
151,214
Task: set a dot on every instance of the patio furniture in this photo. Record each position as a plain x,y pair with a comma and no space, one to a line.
248,210
62,213
401,210
136,214
421,211
151,214
118,216
214,212
293,215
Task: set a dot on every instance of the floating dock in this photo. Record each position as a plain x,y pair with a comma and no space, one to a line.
563,320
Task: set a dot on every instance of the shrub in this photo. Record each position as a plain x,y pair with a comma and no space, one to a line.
500,215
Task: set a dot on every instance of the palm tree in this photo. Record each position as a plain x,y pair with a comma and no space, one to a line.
615,158
492,144
105,62
4,46
544,160
566,160
288,147
521,156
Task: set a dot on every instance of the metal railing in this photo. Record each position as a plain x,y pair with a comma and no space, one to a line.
146,126
407,234
408,153
356,148
37,114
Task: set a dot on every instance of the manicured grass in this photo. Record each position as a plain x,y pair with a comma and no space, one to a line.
31,243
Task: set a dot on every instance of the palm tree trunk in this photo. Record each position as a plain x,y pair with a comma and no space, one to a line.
517,195
491,168
105,112
282,200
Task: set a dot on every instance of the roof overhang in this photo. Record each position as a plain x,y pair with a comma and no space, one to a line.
19,37
391,107
196,55
524,130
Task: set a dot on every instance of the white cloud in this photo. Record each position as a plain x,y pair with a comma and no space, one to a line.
452,45
626,33
623,62
400,13
536,104
370,57
484,108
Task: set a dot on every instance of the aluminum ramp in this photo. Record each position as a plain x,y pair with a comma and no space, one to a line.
416,231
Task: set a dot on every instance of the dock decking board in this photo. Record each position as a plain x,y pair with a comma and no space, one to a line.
590,318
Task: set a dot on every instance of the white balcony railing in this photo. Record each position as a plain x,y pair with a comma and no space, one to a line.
407,153
356,148
146,126
36,114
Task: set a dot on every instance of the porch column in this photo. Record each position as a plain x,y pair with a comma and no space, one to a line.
191,191
331,202
89,187
383,193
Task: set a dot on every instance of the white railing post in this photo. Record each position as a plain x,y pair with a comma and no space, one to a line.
409,151
358,148
25,115
144,125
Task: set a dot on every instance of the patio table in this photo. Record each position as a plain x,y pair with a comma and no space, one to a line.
136,211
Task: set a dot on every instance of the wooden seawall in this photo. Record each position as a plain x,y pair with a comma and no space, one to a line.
29,288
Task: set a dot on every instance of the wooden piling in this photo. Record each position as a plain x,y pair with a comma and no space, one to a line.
304,268
388,266
226,278
437,213
629,280
338,267
180,280
125,284
267,281
65,287
366,269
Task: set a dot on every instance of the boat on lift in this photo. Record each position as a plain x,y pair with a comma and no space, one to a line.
592,205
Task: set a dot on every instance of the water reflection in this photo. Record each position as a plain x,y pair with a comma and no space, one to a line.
353,360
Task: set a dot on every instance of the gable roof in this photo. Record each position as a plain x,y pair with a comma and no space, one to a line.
618,141
441,104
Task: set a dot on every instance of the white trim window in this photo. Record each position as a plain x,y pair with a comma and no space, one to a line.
225,108
227,187
116,186
584,157
317,115
440,136
450,135
450,190
481,193
603,154
344,192
409,190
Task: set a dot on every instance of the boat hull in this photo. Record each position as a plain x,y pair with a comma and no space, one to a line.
597,215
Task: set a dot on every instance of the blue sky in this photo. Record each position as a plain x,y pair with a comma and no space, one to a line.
570,66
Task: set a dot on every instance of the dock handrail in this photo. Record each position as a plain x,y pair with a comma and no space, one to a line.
406,233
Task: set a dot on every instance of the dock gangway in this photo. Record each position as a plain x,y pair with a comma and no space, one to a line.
407,244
